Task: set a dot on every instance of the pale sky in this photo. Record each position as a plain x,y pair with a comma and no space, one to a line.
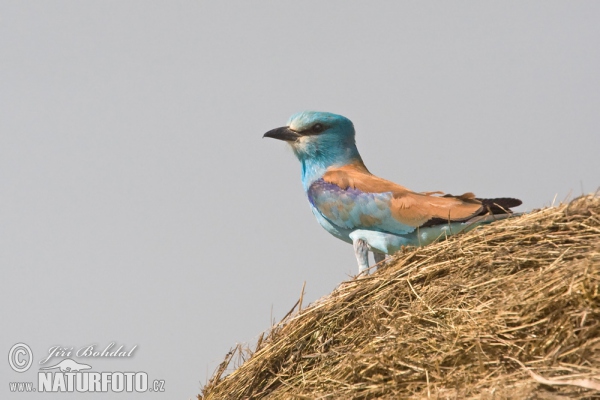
139,204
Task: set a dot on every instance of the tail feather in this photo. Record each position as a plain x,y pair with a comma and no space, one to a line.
500,205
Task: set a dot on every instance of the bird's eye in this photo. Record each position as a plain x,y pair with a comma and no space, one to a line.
318,128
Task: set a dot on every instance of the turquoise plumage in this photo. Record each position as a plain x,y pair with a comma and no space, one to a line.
370,212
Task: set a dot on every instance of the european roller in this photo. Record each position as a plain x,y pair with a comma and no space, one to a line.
371,213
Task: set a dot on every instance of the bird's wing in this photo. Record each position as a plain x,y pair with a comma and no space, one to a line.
352,198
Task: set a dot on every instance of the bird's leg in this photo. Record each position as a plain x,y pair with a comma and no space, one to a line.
361,251
379,257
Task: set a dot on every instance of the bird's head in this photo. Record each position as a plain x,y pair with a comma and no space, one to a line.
319,138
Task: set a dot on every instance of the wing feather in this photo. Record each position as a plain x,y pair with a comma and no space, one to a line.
352,198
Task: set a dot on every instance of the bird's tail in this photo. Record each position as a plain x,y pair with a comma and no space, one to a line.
500,205
494,209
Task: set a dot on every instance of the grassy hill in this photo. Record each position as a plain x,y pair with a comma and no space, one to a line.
488,314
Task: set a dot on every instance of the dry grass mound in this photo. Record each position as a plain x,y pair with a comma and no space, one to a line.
511,310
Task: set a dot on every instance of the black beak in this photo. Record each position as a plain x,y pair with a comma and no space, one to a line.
283,133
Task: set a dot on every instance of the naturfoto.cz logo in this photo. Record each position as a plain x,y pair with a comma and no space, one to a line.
69,375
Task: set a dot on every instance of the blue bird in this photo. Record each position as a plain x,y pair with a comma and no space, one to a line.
369,212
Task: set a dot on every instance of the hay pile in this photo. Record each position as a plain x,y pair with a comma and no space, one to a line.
488,314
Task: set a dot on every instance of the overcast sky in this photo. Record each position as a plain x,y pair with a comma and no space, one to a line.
139,204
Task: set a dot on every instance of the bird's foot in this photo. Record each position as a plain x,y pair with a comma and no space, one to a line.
379,257
361,251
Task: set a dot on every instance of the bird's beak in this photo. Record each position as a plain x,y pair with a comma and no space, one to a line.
283,133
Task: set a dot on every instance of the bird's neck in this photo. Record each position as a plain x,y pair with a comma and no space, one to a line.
314,168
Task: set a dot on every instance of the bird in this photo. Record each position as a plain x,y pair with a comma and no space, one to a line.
369,212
